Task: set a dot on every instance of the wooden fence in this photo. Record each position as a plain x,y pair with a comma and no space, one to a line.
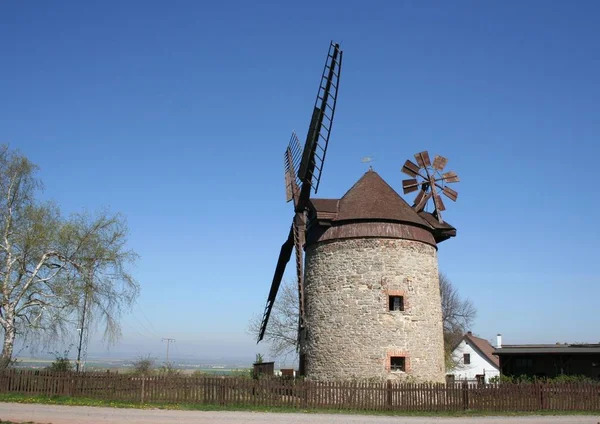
291,393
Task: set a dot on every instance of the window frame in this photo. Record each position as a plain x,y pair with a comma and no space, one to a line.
403,365
391,298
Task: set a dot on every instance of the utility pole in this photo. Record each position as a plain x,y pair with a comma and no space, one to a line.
168,341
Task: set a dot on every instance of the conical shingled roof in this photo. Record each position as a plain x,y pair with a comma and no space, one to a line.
371,198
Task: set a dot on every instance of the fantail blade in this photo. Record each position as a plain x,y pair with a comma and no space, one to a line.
450,194
450,177
423,159
439,162
410,185
439,204
410,168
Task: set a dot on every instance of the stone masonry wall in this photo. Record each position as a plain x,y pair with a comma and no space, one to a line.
351,332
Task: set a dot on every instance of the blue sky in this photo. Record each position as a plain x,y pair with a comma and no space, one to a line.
177,115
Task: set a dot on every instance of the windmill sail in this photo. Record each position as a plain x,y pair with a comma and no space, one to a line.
317,138
284,257
309,163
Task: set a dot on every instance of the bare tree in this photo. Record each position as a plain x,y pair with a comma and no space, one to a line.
457,315
282,330
49,264
144,365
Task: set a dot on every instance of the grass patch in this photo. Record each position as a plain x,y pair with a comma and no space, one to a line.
64,400
12,422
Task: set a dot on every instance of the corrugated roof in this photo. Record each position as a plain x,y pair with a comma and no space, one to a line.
484,347
371,198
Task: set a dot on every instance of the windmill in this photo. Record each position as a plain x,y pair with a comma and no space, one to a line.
302,172
430,181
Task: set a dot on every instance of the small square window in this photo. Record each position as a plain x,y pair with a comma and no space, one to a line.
467,358
396,303
398,363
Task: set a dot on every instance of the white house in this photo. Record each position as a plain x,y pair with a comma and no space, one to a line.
473,359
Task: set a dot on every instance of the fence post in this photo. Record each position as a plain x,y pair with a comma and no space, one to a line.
465,390
541,389
389,394
222,392
143,389
305,386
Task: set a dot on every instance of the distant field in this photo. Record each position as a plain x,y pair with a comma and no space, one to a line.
219,371
123,367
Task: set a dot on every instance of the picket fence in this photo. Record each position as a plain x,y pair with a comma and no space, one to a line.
302,394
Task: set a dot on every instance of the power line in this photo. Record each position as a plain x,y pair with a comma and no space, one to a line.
135,330
144,315
153,334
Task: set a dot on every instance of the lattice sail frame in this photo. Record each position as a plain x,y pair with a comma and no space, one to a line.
430,180
319,130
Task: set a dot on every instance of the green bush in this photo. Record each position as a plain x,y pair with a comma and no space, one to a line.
61,362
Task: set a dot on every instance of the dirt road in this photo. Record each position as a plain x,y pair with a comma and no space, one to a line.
93,415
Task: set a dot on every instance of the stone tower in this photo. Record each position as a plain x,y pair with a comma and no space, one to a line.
372,297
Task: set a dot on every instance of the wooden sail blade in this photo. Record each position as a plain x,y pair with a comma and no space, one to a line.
288,175
423,159
284,257
439,162
292,190
450,177
410,185
410,168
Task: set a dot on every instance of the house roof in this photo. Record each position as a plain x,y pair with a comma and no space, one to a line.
532,349
484,347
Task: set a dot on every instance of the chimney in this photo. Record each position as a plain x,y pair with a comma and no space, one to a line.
469,333
498,341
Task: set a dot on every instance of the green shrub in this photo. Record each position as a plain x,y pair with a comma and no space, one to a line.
61,362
